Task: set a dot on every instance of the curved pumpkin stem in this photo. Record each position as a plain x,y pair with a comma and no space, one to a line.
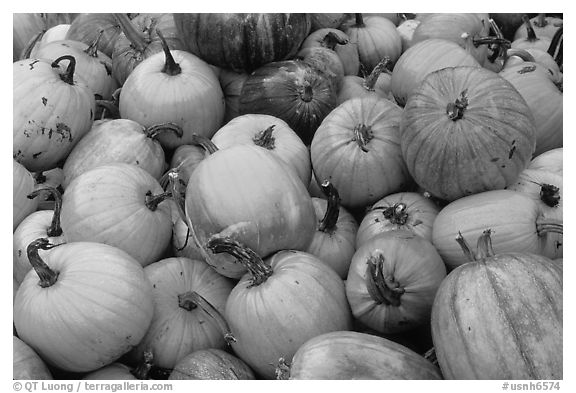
465,247
483,248
545,225
382,289
92,50
54,229
330,41
68,75
282,370
397,213
137,40
157,129
362,136
328,223
529,29
370,80
170,67
48,277
142,371
455,110
265,138
359,20
152,201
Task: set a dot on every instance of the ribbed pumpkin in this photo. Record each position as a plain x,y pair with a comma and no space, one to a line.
211,364
466,130
408,211
530,39
245,192
518,222
26,363
392,281
121,205
86,27
339,42
280,304
545,26
500,317
346,355
55,33
53,109
187,157
271,133
357,148
242,42
91,305
23,184
376,83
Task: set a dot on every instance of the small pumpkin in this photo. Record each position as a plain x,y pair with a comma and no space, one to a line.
544,26
86,27
211,364
53,109
347,355
339,42
476,146
325,60
23,184
82,333
529,39
522,338
280,304
26,363
187,157
377,83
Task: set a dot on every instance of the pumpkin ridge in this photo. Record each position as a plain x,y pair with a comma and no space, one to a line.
533,370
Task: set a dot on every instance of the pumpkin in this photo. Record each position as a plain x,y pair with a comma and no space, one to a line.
326,61
91,305
531,40
187,157
23,184
357,148
291,90
231,83
518,223
26,363
423,58
187,293
406,31
339,42
24,27
392,281
508,23
93,67
211,364
55,33
280,304
117,140
42,223
409,211
377,83
121,205
545,100
376,38
333,241
138,40
245,192
522,338
242,42
543,26
111,372
53,109
466,130
345,355
48,179
550,160
326,21
86,27
177,87
271,133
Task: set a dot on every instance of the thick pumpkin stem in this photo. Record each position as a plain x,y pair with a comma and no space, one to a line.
259,270
137,39
328,223
484,247
382,289
306,92
111,107
282,370
170,67
265,138
92,50
192,299
68,75
397,214
370,80
362,136
465,247
55,229
477,41
152,201
529,29
48,277
549,194
330,41
541,21
546,225
142,371
455,110
157,129
359,20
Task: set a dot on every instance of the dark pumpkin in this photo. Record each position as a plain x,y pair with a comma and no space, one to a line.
211,364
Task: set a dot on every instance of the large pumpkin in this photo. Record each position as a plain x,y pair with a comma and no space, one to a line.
91,305
500,317
53,109
242,42
280,304
466,130
346,355
247,193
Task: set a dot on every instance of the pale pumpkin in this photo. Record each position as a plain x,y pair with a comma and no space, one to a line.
26,363
22,184
211,364
551,160
339,42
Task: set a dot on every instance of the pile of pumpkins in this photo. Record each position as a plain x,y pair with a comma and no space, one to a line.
287,196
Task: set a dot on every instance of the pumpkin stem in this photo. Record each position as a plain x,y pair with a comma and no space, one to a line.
170,67
370,80
307,93
540,20
55,229
484,247
265,138
27,51
455,110
328,223
465,247
477,41
92,50
192,299
549,194
362,136
152,201
48,277
111,107
153,131
430,355
529,29
282,370
397,213
142,371
382,289
137,39
556,46
39,177
545,225
359,20
330,41
257,268
68,75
